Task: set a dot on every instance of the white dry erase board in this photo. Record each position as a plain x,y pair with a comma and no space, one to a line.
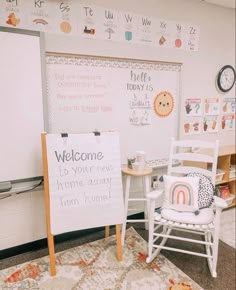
85,186
137,98
21,108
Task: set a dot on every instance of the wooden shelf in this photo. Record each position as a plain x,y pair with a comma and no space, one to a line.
227,157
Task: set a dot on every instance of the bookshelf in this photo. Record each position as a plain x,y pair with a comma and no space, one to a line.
227,164
227,176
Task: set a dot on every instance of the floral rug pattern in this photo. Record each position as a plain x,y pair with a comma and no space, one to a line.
94,266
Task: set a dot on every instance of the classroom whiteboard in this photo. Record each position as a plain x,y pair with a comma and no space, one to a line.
85,186
21,109
87,93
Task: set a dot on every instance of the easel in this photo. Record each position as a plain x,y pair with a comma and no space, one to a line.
48,219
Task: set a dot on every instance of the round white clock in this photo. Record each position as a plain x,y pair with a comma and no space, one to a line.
226,78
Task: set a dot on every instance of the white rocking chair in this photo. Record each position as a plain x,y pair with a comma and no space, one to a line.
194,157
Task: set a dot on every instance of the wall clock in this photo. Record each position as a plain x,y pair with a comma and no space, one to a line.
226,78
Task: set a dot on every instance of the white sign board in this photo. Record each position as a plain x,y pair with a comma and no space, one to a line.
85,184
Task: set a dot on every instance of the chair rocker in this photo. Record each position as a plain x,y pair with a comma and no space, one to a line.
196,158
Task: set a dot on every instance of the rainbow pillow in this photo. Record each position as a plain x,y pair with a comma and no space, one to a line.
181,193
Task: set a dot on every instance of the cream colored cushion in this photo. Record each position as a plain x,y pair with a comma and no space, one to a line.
205,216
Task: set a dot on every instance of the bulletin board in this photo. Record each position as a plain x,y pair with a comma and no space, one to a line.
137,98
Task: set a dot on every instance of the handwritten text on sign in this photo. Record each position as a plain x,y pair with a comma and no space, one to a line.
84,176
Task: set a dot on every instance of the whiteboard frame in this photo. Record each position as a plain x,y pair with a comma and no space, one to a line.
139,60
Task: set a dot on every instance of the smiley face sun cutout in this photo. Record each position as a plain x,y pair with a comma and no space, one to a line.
163,104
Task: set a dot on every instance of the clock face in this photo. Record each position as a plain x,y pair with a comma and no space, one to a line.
226,78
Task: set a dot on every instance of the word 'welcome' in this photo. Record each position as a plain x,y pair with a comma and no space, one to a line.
77,156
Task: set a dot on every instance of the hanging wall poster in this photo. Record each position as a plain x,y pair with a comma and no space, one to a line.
228,122
146,30
111,29
163,33
210,124
211,106
228,105
192,126
86,20
192,37
193,107
90,21
130,26
178,38
41,15
65,17
13,14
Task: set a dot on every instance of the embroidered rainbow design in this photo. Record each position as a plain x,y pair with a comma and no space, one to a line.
181,193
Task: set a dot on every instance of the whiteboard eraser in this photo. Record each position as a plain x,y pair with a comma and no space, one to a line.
5,186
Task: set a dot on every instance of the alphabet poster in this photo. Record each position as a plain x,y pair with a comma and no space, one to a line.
85,185
94,22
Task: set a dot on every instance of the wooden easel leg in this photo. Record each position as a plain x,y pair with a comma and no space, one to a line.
118,243
47,208
107,231
52,255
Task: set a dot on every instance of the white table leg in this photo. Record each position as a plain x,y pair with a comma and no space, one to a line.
126,201
146,190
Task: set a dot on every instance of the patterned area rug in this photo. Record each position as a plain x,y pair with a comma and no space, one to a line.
94,266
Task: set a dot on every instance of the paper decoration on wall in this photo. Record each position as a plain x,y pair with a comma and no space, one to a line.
88,21
192,37
210,124
228,105
178,33
212,106
41,15
192,126
129,25
164,104
193,107
74,17
163,34
146,30
228,122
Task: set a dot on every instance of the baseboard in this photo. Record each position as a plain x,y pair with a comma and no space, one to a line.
42,244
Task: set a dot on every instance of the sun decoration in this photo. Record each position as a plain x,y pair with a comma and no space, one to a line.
164,104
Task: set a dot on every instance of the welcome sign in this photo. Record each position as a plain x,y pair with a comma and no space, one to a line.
85,185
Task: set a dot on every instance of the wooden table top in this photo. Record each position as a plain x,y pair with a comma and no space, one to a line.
133,172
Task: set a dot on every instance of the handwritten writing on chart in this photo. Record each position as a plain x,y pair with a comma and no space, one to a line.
82,178
139,87
86,93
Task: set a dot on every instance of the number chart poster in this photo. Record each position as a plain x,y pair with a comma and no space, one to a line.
85,185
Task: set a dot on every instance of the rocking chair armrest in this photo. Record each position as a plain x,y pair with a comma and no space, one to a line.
220,202
155,194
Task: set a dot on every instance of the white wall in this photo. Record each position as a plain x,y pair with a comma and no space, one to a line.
216,47
24,215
